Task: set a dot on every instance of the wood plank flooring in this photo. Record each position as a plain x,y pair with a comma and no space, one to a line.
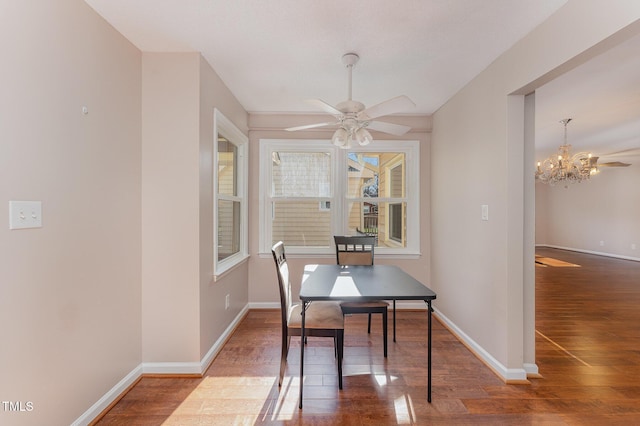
587,349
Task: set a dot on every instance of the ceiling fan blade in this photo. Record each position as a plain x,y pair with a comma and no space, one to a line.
391,106
614,164
631,152
393,129
311,126
320,104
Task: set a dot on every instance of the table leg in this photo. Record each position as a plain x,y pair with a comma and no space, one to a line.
384,331
304,308
429,352
394,320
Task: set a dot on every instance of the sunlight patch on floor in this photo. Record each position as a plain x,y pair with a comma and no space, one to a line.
562,349
384,379
404,410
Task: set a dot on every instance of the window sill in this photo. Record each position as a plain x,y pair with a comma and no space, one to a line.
240,261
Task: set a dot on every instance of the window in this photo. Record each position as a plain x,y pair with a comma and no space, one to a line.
312,190
229,198
325,205
395,224
395,221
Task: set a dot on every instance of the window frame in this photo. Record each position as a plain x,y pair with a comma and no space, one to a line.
389,170
223,126
339,198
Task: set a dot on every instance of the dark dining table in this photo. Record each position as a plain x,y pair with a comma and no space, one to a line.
362,283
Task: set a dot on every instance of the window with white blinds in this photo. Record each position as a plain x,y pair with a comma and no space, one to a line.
311,190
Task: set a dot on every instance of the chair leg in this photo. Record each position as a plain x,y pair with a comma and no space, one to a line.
340,347
384,331
369,324
283,357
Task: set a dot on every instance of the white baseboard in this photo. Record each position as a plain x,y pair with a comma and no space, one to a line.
108,397
507,374
217,346
531,369
411,305
169,368
264,305
598,253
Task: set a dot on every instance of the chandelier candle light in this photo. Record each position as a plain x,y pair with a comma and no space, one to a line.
564,167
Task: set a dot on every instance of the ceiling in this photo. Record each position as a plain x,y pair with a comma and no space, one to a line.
602,97
273,55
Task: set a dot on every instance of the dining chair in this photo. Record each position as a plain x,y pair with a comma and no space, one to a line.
322,319
359,250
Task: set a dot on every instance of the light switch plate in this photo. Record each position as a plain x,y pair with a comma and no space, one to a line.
485,212
25,214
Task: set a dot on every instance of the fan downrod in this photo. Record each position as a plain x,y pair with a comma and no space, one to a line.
350,107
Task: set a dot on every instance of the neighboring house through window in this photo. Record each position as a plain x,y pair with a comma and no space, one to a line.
311,190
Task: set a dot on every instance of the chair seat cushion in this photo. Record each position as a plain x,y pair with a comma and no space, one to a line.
318,315
367,304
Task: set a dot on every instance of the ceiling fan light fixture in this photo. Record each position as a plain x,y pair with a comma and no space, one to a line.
363,136
341,138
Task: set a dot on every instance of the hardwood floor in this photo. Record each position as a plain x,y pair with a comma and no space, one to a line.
587,349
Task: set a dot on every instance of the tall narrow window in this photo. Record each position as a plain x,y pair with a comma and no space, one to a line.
230,206
228,201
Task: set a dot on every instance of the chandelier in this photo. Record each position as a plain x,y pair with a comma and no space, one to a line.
564,167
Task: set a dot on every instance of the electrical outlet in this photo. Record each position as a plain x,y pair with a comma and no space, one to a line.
226,302
633,246
601,243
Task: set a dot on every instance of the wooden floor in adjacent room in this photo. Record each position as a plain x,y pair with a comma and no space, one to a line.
587,350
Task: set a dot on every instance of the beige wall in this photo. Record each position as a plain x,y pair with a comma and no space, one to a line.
170,201
603,209
183,307
478,158
70,296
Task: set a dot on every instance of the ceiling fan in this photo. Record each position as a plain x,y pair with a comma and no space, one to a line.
625,154
353,119
609,163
